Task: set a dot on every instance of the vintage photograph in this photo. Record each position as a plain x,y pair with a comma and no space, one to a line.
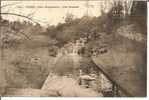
73,48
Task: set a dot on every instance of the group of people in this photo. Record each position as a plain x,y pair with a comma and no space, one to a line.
96,51
77,47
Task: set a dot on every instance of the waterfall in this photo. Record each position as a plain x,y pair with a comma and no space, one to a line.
71,48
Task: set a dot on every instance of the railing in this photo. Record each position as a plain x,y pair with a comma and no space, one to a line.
115,86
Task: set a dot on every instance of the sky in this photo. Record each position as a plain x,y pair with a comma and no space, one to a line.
52,12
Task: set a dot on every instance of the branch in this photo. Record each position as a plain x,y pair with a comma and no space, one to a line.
23,16
31,14
25,35
8,5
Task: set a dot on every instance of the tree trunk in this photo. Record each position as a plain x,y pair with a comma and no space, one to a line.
0,11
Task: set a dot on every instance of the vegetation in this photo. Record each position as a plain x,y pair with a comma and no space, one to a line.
30,38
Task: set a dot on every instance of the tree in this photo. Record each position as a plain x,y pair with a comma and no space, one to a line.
69,17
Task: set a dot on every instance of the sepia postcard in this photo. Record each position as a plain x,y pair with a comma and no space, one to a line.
73,48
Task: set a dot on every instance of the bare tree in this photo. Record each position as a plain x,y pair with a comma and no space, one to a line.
69,17
19,15
0,11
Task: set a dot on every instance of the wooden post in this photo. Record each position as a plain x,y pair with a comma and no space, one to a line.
80,74
1,40
115,90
